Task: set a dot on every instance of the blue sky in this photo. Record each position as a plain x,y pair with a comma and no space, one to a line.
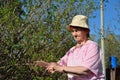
110,18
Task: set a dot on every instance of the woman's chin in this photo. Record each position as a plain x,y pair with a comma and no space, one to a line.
77,40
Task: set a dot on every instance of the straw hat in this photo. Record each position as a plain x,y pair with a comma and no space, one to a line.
79,21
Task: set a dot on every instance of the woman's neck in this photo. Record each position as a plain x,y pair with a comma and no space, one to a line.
82,42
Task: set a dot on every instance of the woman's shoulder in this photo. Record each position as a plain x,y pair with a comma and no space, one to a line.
72,48
91,43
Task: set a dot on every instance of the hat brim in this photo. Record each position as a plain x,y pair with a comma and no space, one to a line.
71,26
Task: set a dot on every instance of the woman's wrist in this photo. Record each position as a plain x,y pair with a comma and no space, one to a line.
64,69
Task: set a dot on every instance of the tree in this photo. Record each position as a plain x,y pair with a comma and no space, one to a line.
36,32
112,48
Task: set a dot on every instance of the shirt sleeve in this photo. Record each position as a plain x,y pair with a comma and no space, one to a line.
64,59
92,59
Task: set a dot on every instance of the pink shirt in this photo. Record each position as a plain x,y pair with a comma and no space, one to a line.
87,55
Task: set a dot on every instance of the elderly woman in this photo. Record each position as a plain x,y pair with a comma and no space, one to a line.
82,61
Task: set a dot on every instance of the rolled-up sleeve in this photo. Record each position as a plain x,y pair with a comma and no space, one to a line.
91,59
64,59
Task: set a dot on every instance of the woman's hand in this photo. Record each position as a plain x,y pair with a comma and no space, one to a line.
59,68
50,67
41,64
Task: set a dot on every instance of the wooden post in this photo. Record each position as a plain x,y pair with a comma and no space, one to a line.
113,61
113,74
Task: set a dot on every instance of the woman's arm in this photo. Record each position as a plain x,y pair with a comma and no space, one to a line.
78,70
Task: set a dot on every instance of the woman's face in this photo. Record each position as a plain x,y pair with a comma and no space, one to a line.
79,34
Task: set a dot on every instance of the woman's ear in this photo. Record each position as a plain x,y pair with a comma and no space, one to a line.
87,33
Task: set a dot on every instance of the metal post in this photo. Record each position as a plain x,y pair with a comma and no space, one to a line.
102,36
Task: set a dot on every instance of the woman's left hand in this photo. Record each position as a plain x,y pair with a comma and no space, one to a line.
59,68
50,67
